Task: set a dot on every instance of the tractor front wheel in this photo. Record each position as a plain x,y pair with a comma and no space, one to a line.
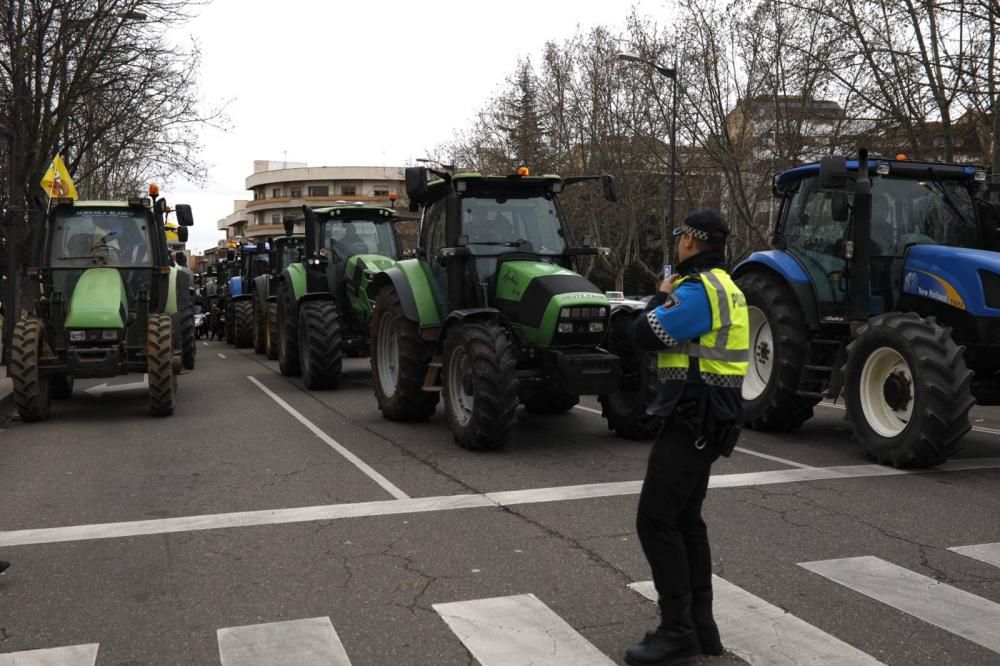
907,390
625,409
779,341
320,355
480,385
31,385
288,334
271,331
188,346
159,357
243,333
399,362
230,324
259,336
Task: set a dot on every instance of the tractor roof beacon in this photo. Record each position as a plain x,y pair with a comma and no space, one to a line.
488,312
323,309
109,303
883,286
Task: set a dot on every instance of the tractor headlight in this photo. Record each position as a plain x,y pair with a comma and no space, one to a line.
565,327
109,334
77,336
597,327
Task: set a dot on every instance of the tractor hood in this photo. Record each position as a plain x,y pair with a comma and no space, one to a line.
532,294
965,279
99,300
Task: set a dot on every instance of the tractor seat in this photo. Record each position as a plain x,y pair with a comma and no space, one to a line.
80,245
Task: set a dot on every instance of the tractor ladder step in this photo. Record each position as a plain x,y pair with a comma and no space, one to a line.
811,394
432,382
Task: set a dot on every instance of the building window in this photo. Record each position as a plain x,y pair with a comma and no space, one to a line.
276,218
348,190
381,191
276,192
319,190
296,192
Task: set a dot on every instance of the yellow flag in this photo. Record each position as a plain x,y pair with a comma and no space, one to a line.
56,181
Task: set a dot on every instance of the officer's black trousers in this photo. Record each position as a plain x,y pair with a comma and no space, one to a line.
671,530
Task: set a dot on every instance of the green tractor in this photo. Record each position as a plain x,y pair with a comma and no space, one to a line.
109,303
489,312
283,252
323,309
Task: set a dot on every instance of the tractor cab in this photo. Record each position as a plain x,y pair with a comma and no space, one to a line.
285,251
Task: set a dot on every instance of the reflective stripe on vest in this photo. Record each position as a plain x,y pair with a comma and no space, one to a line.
723,353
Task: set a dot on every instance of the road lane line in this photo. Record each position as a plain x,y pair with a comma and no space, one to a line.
205,343
74,655
984,552
334,444
989,431
519,629
449,503
312,642
589,409
221,355
762,633
954,610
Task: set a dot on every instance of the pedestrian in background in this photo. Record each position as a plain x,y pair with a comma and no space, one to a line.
698,325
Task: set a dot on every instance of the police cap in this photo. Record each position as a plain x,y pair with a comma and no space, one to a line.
704,225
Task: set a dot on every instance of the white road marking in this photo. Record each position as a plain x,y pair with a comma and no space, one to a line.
989,431
520,629
762,633
221,355
205,343
74,655
450,503
334,444
932,601
101,389
984,552
589,409
312,642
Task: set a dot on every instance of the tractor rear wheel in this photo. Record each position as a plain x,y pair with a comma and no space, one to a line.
230,324
907,390
625,409
320,355
288,334
779,341
188,346
61,387
271,330
550,403
243,333
399,362
159,357
480,385
259,336
31,385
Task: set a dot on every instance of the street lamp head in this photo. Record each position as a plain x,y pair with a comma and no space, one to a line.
133,15
668,72
629,57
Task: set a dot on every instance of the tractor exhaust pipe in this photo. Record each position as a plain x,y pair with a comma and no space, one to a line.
860,264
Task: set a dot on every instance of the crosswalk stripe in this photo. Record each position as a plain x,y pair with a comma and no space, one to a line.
932,601
519,629
73,655
984,552
762,633
311,642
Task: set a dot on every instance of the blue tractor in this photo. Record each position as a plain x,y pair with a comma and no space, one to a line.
882,287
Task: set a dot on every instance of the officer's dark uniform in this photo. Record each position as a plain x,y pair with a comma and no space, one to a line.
702,335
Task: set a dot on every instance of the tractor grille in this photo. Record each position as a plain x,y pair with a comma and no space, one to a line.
991,288
581,326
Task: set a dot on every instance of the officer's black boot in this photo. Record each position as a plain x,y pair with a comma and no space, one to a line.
673,641
704,623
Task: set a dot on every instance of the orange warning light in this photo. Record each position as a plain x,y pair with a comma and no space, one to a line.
523,171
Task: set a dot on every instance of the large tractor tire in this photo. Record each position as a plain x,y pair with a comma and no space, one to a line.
779,342
625,409
480,385
907,390
159,357
271,331
243,333
189,348
399,362
288,334
230,324
551,402
320,355
61,387
259,334
31,385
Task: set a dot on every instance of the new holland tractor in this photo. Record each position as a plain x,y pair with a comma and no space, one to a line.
883,286
284,251
109,303
322,303
489,312
251,261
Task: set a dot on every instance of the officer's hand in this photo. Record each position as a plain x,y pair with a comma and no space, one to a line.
667,286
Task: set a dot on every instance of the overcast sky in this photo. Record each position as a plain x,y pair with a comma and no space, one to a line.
353,84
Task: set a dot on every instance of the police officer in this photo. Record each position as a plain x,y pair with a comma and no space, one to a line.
698,324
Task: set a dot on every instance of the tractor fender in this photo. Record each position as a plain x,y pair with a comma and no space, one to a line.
235,286
412,284
295,276
787,268
261,284
458,317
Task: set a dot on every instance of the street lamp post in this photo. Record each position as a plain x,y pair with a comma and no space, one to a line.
670,73
10,221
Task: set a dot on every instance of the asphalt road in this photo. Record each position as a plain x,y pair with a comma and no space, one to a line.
345,538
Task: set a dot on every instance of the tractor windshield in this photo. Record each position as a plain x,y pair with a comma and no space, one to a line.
350,237
289,253
495,225
86,237
907,212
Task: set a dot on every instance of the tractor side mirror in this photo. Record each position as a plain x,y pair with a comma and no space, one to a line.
416,185
608,187
989,216
289,225
833,171
182,234
184,216
840,209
